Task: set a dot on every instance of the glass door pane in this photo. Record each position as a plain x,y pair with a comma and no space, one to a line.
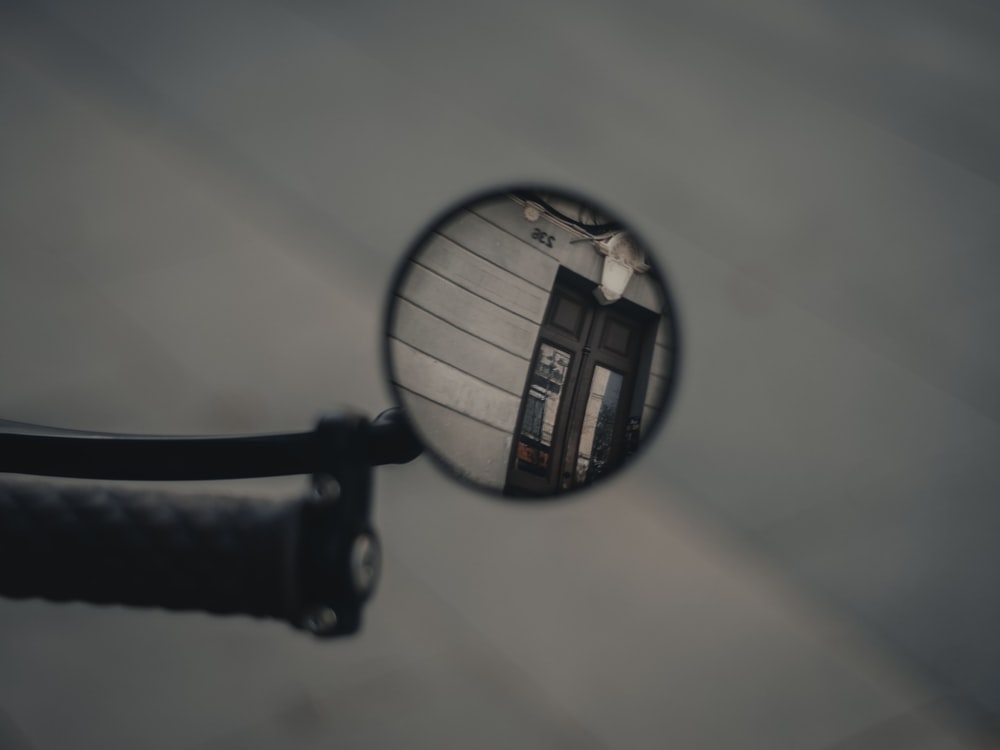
544,394
598,428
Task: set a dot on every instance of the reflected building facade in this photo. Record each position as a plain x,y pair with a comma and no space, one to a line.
532,343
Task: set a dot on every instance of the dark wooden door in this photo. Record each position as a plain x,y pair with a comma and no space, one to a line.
574,412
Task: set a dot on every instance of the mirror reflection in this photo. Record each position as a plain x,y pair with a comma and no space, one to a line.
532,341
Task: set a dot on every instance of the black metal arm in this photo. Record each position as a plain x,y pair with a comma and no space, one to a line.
56,452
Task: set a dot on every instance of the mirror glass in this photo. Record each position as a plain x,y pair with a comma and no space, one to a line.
532,341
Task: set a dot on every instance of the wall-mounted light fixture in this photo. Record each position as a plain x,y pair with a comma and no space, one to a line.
622,259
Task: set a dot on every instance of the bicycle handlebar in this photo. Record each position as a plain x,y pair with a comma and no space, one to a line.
111,546
311,562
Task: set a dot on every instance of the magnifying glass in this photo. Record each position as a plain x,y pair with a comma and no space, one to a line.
531,347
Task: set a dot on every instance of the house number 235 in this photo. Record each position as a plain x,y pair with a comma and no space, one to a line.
544,237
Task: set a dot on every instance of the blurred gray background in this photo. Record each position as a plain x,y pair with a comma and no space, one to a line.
201,206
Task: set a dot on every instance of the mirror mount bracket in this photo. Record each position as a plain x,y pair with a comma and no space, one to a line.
339,558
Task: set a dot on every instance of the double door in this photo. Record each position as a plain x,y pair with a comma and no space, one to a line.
573,425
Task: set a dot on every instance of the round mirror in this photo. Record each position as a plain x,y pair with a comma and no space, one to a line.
531,339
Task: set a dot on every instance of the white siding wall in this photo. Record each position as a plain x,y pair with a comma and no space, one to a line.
465,327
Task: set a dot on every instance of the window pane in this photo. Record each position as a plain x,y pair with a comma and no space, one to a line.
598,425
534,441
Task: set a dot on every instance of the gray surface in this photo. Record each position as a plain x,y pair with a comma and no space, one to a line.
200,208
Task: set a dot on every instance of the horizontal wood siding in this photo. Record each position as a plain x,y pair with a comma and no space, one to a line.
465,325
473,314
662,361
473,450
451,344
509,217
484,278
654,391
463,393
503,249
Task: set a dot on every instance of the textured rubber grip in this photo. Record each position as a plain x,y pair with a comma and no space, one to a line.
221,555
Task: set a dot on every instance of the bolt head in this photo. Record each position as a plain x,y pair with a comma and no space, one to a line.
366,563
326,487
320,620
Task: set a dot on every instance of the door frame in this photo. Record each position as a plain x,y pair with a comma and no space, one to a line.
586,355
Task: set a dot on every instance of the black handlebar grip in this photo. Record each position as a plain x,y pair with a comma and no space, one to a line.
221,555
